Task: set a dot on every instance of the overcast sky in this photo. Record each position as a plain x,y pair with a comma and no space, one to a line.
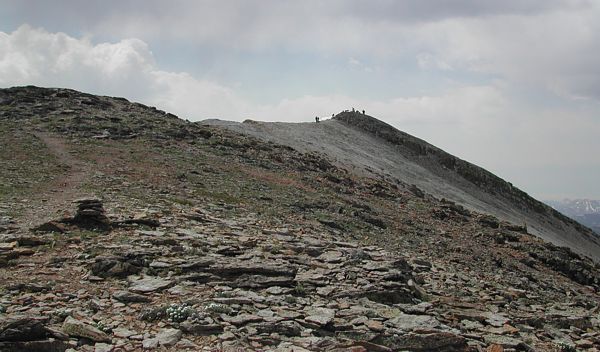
511,85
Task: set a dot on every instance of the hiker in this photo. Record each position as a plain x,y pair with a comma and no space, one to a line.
363,112
317,119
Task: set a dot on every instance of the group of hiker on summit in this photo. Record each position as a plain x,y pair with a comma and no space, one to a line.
318,119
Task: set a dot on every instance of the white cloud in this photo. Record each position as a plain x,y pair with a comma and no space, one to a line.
34,56
126,68
195,99
428,61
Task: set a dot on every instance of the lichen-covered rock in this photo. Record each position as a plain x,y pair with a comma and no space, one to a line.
77,328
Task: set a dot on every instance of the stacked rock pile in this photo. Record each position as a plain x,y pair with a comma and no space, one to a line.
91,213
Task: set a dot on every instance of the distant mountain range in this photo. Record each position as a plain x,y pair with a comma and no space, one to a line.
585,211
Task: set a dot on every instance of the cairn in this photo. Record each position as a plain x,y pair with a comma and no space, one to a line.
91,213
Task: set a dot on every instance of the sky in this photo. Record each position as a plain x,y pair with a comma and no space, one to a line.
512,86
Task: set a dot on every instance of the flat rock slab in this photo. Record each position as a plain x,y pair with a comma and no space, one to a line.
442,341
150,284
410,322
320,316
504,341
123,332
243,319
201,329
103,347
286,328
168,337
126,297
76,328
253,268
332,257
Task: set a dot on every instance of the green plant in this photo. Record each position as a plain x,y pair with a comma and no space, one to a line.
103,327
565,347
275,248
218,308
290,299
224,294
87,235
300,289
179,312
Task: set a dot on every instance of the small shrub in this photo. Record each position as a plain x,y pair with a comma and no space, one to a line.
300,290
103,327
178,312
224,294
565,347
218,308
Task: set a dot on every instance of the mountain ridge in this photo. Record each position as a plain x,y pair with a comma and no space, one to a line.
369,146
473,173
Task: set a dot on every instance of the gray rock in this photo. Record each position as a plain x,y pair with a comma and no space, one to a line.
150,284
114,267
168,337
409,322
157,264
123,332
126,297
505,341
23,328
197,264
260,281
471,325
332,257
187,345
319,316
150,343
252,268
76,328
497,320
442,341
201,329
286,328
103,347
242,319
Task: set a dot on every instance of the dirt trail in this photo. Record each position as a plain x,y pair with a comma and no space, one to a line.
54,198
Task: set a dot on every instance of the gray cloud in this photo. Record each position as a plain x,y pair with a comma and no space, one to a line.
381,10
414,11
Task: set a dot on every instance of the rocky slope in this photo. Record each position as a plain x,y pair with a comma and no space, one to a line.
373,148
124,228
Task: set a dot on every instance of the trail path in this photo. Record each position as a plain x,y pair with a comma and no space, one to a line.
54,198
